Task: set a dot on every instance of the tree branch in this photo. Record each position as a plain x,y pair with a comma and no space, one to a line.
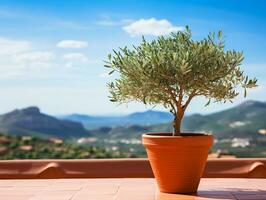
189,100
172,106
180,98
169,91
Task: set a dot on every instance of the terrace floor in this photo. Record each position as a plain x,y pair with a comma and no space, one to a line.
127,188
125,179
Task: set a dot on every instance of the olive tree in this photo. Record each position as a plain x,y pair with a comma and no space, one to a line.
172,70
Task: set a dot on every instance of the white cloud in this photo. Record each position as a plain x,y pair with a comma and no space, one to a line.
9,47
79,57
74,44
21,60
151,26
75,59
78,60
18,60
37,56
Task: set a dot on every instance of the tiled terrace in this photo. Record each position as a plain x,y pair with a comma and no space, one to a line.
242,179
127,189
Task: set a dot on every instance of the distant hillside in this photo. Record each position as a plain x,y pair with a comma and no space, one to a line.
138,118
235,128
247,120
244,120
30,121
31,147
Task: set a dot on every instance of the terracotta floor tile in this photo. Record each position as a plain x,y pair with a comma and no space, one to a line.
15,197
132,196
138,188
198,196
4,188
100,189
134,181
259,184
127,189
165,196
54,195
68,183
93,197
72,181
35,183
23,190
106,182
10,182
66,188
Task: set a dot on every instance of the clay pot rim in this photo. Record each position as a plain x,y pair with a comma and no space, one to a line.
169,135
169,141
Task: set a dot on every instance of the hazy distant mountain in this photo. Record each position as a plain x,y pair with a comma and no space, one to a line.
244,124
244,120
30,121
138,118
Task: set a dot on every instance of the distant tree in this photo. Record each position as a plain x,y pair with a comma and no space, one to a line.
172,70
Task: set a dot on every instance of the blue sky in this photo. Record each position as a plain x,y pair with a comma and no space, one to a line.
52,51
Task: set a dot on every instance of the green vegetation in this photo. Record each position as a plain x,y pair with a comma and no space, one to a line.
239,131
30,147
244,124
172,70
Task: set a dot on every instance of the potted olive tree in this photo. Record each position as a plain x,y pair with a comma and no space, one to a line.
171,71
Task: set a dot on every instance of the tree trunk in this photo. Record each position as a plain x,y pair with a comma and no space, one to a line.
177,125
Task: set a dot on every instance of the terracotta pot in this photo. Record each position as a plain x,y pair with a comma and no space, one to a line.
177,161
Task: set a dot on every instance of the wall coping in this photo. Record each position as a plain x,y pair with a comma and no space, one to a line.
122,168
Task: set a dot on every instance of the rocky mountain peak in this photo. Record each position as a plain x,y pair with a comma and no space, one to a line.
31,110
252,104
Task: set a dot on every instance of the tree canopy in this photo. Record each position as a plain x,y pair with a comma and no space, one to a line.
172,70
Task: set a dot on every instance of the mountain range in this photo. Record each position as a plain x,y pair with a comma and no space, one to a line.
244,120
30,121
138,118
239,131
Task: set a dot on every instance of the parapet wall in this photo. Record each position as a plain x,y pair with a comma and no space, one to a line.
122,168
